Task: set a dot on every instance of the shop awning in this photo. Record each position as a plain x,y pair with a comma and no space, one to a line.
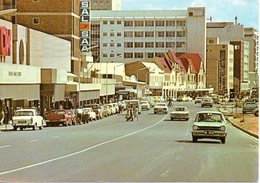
20,92
89,95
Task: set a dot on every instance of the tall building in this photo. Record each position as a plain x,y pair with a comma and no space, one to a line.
136,35
106,4
220,66
60,19
245,51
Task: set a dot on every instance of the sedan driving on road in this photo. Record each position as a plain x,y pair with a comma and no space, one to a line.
145,105
209,124
160,107
180,112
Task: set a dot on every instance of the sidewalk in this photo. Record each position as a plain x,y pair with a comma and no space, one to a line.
249,123
7,127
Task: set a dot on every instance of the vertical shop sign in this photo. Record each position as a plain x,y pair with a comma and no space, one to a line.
84,25
5,41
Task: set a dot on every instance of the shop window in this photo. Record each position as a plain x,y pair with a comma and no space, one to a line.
36,21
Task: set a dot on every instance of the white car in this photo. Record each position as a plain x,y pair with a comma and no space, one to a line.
92,114
160,107
115,105
145,105
180,112
198,100
113,108
209,124
207,101
27,118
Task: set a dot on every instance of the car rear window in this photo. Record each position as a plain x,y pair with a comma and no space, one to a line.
24,113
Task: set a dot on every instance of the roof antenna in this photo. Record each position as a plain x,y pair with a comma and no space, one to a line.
236,20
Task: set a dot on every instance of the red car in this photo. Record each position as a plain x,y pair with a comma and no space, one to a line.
60,117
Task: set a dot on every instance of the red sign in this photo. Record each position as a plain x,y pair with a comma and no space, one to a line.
5,41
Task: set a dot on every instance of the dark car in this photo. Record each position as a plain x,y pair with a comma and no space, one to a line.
249,107
256,112
82,116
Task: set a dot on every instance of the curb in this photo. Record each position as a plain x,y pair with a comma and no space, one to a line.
244,130
240,128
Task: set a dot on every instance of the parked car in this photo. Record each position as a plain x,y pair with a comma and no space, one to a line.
180,112
206,101
198,100
160,107
96,108
145,105
104,111
209,124
108,109
249,107
122,104
90,112
59,117
27,118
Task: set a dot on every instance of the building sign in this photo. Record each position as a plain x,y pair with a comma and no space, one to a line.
84,25
5,41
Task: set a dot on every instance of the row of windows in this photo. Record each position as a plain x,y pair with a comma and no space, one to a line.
155,34
147,23
147,34
141,55
147,44
157,23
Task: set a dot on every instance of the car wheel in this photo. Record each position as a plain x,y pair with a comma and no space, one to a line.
171,119
187,119
194,139
15,128
34,126
223,140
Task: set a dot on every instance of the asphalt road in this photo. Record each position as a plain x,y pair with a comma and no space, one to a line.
154,149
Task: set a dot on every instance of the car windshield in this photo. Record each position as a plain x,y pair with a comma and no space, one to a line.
24,113
250,105
179,109
143,102
208,117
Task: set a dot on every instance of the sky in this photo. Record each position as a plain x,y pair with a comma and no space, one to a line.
247,11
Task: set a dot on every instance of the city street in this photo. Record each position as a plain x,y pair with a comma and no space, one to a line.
112,150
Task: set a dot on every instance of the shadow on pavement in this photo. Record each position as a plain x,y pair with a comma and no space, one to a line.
200,142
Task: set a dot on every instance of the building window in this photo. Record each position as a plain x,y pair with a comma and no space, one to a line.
118,34
104,22
105,55
149,55
139,34
160,34
118,44
170,45
159,23
118,22
180,33
159,54
112,44
104,44
129,44
149,34
180,44
112,55
139,44
129,23
139,55
170,23
128,55
104,33
159,44
112,22
170,34
128,34
149,23
180,23
139,23
36,21
149,44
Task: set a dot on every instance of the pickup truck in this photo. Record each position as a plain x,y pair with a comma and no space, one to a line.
59,117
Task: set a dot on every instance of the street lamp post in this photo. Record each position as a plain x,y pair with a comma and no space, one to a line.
137,85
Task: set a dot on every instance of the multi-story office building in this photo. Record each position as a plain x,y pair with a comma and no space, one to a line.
105,4
220,63
251,36
59,18
245,42
136,35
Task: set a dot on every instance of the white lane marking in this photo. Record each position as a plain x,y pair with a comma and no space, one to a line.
34,140
165,174
4,146
81,151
